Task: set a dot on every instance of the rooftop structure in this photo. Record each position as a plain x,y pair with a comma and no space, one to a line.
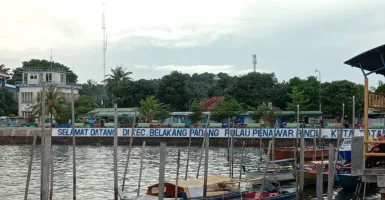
32,84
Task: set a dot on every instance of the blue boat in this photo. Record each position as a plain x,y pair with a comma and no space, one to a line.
347,181
345,150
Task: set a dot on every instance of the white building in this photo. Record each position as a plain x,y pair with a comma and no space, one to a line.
31,86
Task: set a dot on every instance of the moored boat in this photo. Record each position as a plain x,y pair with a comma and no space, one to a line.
284,153
284,195
347,181
345,150
218,187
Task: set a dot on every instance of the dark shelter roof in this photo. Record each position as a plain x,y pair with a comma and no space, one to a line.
370,60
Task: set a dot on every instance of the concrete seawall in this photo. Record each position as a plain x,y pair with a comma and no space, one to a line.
25,136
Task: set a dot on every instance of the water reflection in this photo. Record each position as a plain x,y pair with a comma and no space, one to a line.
95,170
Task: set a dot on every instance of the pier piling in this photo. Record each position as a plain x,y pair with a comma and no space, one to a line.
206,169
141,167
188,154
319,181
203,146
30,166
73,143
116,192
331,170
177,175
129,152
162,165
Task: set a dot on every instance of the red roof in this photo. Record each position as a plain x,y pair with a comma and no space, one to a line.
209,104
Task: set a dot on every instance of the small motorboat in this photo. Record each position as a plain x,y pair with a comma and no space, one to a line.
288,152
218,187
347,181
275,174
270,193
345,150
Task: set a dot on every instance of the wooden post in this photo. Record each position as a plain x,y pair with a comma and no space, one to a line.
51,182
47,159
141,167
73,143
30,166
266,169
206,170
354,114
302,164
203,146
366,117
116,192
162,165
314,146
129,152
42,137
273,144
240,166
319,182
228,141
331,172
232,155
296,155
177,175
188,155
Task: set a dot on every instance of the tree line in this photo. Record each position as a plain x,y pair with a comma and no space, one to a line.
177,91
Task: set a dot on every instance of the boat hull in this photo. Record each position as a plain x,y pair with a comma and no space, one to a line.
345,155
278,177
348,182
280,154
310,177
282,196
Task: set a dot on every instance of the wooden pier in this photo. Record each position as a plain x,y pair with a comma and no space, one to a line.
372,61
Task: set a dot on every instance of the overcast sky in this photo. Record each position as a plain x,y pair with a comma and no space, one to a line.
152,38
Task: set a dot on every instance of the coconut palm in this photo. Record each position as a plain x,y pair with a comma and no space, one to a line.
117,78
149,107
4,70
54,98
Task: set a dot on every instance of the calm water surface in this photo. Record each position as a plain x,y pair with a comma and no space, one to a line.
95,176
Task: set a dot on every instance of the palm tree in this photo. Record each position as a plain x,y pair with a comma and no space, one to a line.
54,98
116,79
379,88
149,107
4,70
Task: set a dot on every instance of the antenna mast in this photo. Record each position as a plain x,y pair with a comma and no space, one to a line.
255,62
104,44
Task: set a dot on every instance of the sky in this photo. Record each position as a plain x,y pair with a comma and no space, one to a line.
152,38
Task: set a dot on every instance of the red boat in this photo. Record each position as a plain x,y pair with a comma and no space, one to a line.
284,153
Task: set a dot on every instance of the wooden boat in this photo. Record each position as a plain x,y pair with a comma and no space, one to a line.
284,195
284,153
218,187
310,175
276,173
347,181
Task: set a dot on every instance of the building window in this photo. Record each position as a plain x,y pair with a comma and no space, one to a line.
27,97
26,113
48,77
33,76
62,78
41,77
25,80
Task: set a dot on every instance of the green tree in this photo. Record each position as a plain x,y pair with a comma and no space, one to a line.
117,80
174,90
379,89
8,102
54,98
297,98
197,112
162,113
228,108
135,91
310,88
84,104
335,93
254,88
259,112
44,65
64,113
150,108
4,70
